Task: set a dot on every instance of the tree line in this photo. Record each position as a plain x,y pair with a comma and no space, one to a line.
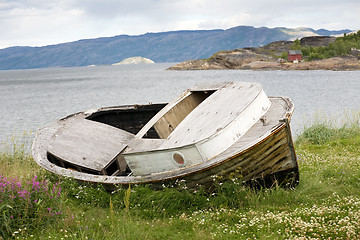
341,46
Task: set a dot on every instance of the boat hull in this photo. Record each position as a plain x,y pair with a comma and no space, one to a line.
264,156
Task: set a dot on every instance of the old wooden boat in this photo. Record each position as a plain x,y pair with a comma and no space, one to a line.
211,132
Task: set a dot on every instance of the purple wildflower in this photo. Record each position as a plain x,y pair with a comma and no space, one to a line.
31,197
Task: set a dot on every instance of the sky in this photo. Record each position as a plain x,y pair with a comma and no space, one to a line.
46,22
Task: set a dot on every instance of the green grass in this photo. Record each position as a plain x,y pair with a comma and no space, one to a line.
325,205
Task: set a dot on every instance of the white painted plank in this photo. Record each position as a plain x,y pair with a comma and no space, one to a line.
146,163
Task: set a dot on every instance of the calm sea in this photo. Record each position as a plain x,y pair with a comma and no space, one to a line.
31,98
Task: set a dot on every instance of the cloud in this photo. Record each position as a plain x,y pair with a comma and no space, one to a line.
23,23
42,22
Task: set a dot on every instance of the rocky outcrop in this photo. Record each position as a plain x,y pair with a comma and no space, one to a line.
355,52
344,63
278,46
237,59
135,60
317,41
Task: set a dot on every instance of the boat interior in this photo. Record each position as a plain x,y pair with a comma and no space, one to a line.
131,120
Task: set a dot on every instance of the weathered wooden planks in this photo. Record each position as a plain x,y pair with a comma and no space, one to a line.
89,144
264,150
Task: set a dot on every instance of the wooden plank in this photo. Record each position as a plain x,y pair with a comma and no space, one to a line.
267,162
161,113
247,161
266,149
215,113
165,125
283,165
89,144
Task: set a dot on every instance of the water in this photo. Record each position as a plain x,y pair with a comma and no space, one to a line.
32,98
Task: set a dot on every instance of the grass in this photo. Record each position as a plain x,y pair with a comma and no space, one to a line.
325,205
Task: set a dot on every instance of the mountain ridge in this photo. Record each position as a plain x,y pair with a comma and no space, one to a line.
171,46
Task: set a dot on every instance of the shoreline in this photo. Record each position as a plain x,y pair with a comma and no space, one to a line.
343,63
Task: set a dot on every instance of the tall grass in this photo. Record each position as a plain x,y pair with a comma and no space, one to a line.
325,129
325,204
15,160
26,200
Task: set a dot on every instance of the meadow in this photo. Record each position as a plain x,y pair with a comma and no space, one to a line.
35,204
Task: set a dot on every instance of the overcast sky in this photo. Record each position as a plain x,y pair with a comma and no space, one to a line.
44,22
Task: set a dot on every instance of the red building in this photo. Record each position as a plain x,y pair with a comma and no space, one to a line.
294,55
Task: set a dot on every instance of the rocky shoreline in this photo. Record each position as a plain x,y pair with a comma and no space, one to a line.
265,58
345,63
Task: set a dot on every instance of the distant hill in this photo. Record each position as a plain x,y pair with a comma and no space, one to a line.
175,46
